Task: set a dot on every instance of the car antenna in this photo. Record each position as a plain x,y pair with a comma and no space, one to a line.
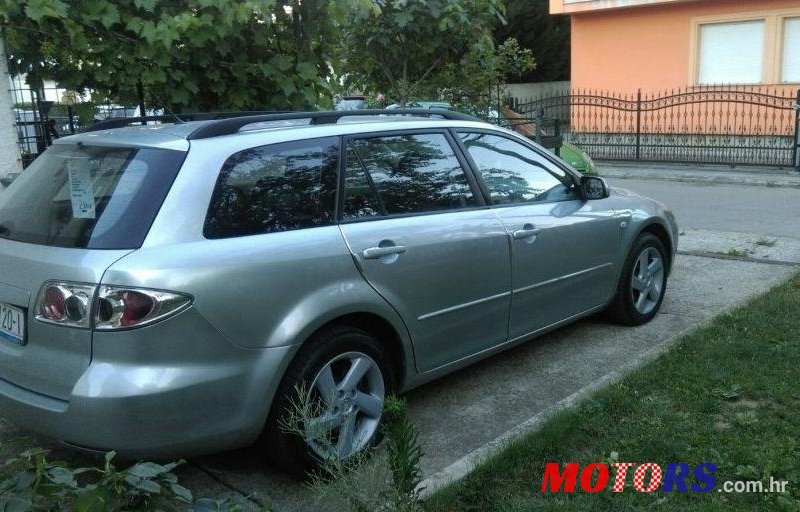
169,111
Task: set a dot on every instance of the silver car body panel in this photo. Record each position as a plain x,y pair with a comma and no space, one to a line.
53,357
204,379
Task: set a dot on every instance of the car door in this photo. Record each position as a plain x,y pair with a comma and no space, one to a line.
422,236
563,247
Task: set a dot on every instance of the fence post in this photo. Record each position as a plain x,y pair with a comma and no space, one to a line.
797,133
638,122
140,93
71,115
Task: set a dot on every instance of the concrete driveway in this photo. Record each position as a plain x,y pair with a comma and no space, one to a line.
460,415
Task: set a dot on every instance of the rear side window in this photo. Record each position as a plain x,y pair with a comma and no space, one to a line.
94,197
402,174
274,188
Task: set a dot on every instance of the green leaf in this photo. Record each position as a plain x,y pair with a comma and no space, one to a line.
148,486
95,500
182,493
306,70
39,9
147,470
62,476
14,504
110,16
147,5
206,505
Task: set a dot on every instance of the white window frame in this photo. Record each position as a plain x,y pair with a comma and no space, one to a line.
762,23
774,51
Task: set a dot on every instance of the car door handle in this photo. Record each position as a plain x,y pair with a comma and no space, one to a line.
527,231
373,253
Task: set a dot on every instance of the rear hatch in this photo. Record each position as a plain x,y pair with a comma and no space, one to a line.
75,211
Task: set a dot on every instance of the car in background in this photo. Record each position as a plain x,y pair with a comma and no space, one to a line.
350,102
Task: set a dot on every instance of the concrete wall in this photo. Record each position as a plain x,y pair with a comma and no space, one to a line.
9,144
535,90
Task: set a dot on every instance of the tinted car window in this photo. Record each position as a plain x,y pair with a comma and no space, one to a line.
514,173
274,188
95,197
411,174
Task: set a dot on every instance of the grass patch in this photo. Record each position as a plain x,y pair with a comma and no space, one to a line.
728,394
738,253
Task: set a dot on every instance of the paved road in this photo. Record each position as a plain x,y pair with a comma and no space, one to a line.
770,211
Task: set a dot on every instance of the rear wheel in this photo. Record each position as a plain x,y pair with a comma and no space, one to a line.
341,378
641,287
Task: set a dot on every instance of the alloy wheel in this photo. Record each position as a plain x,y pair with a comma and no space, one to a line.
647,282
348,393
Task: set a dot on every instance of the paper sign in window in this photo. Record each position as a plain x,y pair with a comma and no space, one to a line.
81,194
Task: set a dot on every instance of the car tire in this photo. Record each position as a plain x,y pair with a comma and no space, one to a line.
340,349
643,282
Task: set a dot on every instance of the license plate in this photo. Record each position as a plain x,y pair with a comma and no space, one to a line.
12,323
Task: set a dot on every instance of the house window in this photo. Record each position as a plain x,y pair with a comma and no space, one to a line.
791,50
732,53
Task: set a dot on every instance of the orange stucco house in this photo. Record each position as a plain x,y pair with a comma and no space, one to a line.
656,45
712,81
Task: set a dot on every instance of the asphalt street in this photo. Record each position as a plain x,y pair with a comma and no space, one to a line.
764,210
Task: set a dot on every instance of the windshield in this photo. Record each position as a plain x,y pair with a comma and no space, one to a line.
94,197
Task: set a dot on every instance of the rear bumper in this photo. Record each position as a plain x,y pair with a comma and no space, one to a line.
216,398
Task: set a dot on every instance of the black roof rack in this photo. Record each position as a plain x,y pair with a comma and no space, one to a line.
234,124
226,123
121,122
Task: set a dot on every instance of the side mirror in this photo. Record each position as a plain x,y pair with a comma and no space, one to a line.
593,187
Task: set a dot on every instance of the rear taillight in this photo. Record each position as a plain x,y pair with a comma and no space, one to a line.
65,304
105,307
123,308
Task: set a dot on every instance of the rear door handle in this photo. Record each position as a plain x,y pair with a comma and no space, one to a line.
527,231
374,253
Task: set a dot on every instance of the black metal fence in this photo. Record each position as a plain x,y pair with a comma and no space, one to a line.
48,112
734,125
720,124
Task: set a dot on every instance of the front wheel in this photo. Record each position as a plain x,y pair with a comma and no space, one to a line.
332,399
643,282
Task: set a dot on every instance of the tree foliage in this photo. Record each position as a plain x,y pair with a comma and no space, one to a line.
205,55
530,23
187,54
416,49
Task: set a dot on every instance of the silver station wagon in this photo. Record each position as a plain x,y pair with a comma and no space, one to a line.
166,289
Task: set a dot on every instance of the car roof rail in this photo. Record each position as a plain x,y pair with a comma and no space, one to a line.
232,125
121,122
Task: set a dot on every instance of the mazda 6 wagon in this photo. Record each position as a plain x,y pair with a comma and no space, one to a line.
167,289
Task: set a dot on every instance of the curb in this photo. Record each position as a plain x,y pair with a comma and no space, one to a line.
711,179
749,259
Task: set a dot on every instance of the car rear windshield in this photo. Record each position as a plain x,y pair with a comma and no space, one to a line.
93,197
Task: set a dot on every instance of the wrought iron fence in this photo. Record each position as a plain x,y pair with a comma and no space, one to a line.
719,124
48,112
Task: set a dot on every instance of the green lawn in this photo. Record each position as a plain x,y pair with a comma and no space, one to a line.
728,394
